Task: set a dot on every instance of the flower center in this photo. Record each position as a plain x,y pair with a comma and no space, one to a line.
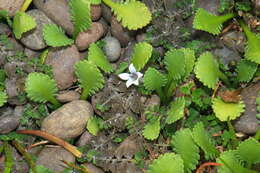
134,76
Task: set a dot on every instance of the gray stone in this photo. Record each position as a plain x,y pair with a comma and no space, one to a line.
106,13
69,121
94,33
112,48
68,96
92,168
11,6
95,12
234,40
57,11
31,53
4,29
62,61
34,39
226,55
8,122
51,158
211,6
84,139
248,122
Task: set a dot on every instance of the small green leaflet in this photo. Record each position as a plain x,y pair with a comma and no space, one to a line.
151,130
22,23
55,36
176,110
3,98
94,125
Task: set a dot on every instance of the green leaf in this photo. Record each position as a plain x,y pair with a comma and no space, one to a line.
167,163
246,70
4,15
184,146
3,98
95,2
249,151
153,79
41,169
41,88
142,53
227,111
231,164
252,51
175,63
131,13
176,110
93,125
22,23
211,23
9,161
206,70
96,56
55,36
80,15
204,141
151,130
189,55
89,76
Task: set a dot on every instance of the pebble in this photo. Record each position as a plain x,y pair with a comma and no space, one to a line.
84,139
9,119
31,53
84,39
154,100
51,158
248,122
234,40
69,121
57,11
62,61
34,39
210,6
11,88
92,168
122,34
11,6
112,48
95,12
68,96
106,13
4,29
226,55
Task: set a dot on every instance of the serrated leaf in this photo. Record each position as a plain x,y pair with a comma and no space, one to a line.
151,130
95,2
41,88
249,151
252,51
96,55
167,163
189,55
22,23
246,70
93,125
141,54
3,98
41,169
209,22
204,141
153,79
131,13
55,36
89,76
4,15
206,70
80,15
175,63
185,146
230,163
227,111
176,110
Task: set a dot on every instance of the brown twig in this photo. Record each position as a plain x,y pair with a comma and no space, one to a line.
207,164
53,139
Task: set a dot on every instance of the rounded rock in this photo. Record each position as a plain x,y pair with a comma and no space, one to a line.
34,39
69,121
68,96
62,61
51,158
84,39
8,122
112,48
11,6
95,12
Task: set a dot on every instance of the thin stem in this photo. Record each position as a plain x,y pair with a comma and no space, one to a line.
161,94
55,102
84,94
226,17
224,78
26,155
233,133
246,29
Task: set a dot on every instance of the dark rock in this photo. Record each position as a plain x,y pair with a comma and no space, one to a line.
4,29
106,13
248,122
34,39
234,40
226,55
62,61
95,12
9,119
112,48
84,139
51,158
57,11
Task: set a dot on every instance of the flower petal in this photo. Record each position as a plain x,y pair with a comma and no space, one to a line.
124,76
132,68
139,75
129,82
136,82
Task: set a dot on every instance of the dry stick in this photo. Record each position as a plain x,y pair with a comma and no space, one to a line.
53,139
26,155
207,164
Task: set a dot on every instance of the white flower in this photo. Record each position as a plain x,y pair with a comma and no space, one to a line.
133,77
